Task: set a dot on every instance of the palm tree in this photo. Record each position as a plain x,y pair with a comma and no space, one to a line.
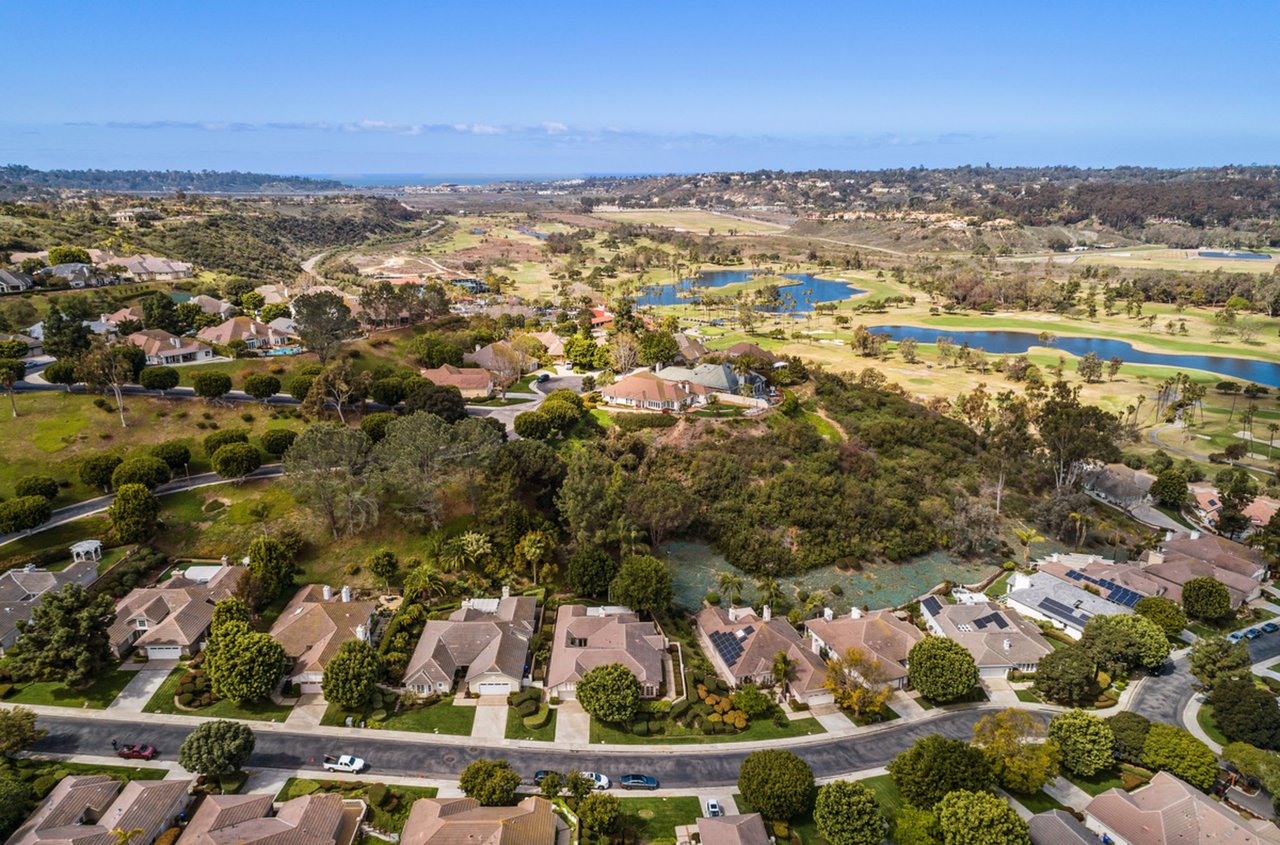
1082,521
817,599
1027,536
1272,428
425,581
784,671
534,548
770,591
730,584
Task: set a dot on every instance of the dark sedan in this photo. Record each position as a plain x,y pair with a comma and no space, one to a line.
639,782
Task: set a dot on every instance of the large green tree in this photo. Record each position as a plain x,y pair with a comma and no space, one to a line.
216,748
24,513
18,730
243,665
1068,676
327,468
1215,659
66,638
980,818
1170,488
270,565
491,782
1129,730
642,583
776,783
1206,598
591,571
847,813
1246,713
610,693
1165,612
941,669
1021,755
600,813
935,765
323,321
1179,753
1084,740
236,460
352,675
1123,642
147,470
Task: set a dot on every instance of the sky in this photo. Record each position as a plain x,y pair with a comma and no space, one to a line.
568,88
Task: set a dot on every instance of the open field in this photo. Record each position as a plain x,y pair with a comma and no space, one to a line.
691,220
1157,258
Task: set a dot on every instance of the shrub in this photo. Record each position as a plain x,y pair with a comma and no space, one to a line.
215,441
37,485
276,441
629,423
527,708
377,795
640,728
539,719
150,472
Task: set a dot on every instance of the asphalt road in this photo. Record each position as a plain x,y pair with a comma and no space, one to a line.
1162,698
430,757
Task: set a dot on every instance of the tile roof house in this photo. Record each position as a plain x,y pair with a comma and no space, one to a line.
153,268
1169,811
314,625
11,281
76,275
87,809
472,382
500,357
1058,827
1183,557
1207,504
484,646
21,589
1065,605
743,348
742,647
1260,511
462,821
745,829
877,635
212,305
690,348
273,294
115,318
1096,571
587,637
646,390
719,378
254,334
552,341
171,620
322,818
34,346
163,348
285,326
999,639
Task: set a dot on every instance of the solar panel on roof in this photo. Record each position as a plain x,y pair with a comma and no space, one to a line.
1074,575
991,619
727,646
1062,611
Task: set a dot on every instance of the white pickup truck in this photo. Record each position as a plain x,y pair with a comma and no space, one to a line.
343,763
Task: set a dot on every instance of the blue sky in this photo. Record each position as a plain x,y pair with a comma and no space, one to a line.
569,87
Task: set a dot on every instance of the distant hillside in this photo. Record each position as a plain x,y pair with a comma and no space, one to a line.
204,181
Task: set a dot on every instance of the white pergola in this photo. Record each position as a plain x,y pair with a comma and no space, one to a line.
86,550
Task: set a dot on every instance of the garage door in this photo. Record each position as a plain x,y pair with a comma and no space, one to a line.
164,652
494,688
310,688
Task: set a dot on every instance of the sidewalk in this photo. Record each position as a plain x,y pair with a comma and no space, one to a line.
1193,724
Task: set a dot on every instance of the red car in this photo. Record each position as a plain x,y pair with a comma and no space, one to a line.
136,752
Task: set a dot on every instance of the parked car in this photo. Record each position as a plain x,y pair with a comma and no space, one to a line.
601,781
1270,627
343,763
1253,633
714,810
543,378
1235,636
540,775
638,782
136,752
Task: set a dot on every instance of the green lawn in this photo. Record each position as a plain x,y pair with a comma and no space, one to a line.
442,718
650,819
162,702
1038,802
390,820
1099,783
758,729
1204,718
1028,695
977,695
887,794
96,696
517,730
998,586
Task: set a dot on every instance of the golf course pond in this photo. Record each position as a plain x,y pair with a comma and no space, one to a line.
807,289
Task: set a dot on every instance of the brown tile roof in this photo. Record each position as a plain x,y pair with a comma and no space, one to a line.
240,328
1058,827
552,341
1126,575
247,820
744,348
615,638
311,630
1017,642
160,342
878,635
462,821
463,378
761,641
178,612
691,349
85,809
647,387
489,636
132,312
1171,812
746,829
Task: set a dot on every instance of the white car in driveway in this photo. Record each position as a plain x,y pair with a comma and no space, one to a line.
601,781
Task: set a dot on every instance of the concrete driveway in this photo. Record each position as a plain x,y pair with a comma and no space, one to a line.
573,724
491,718
138,691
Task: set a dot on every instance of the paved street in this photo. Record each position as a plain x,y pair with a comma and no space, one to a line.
1163,698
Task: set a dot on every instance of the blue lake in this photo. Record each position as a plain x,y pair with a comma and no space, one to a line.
807,289
1016,343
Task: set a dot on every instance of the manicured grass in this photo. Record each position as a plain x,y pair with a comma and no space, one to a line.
517,730
758,729
1038,802
162,702
977,695
442,718
56,541
887,714
1099,783
650,819
998,586
886,792
1204,718
96,696
1028,695
390,821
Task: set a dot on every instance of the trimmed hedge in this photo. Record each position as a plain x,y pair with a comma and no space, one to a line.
527,708
629,423
539,719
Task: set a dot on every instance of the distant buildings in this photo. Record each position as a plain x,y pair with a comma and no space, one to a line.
153,268
11,281
255,335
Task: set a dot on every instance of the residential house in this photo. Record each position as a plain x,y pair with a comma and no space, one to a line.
1206,504
483,647
98,327
11,281
321,818
273,294
1260,511
212,305
463,821
127,216
92,809
171,620
132,313
745,829
34,347
552,341
21,589
163,348
601,318
1169,811
501,359
690,348
1103,576
1066,606
999,639
254,334
751,350
647,391
76,275
743,646
717,378
1058,827
314,625
587,637
472,382
1184,556
285,326
878,635
153,268
1120,485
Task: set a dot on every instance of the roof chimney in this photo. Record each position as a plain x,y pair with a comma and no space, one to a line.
362,634
768,613
327,592
855,613
1195,535
1008,643
506,591
827,614
346,593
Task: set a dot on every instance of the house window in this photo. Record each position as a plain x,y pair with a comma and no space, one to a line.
140,624
577,642
649,691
